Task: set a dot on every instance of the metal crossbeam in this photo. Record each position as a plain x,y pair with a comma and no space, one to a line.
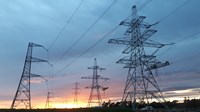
138,63
23,95
95,96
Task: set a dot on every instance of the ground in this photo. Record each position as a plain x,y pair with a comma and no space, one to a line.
70,110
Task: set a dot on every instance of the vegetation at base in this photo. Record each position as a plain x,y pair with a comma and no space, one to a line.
192,105
188,105
70,110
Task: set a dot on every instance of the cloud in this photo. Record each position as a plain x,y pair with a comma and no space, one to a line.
40,21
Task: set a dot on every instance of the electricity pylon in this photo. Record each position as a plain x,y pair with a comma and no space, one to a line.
49,100
76,94
140,85
95,96
23,95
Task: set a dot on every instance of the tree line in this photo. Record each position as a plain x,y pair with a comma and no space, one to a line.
187,103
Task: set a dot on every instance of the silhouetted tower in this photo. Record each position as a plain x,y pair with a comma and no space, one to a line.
23,95
95,96
49,100
140,84
76,94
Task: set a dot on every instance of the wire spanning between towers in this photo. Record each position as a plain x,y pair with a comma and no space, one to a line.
95,22
65,25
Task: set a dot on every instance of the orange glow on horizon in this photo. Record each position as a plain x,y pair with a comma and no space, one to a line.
69,105
60,102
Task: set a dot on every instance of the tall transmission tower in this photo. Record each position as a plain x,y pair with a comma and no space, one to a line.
76,94
49,100
141,85
23,95
95,96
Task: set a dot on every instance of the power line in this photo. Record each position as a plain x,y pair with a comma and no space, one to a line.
95,22
116,59
65,25
196,33
23,93
89,49
139,69
142,6
175,10
164,18
178,41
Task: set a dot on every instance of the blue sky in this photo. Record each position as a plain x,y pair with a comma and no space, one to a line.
40,21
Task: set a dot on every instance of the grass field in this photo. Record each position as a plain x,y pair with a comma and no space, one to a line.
70,110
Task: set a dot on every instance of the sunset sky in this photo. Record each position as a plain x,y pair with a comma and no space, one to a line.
41,21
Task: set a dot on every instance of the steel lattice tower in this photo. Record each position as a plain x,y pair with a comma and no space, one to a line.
141,85
23,95
49,100
95,96
76,94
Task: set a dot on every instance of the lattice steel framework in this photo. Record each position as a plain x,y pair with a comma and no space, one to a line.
141,85
49,100
95,96
23,94
76,94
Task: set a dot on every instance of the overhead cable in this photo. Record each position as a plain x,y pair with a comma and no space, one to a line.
88,49
175,10
66,24
95,22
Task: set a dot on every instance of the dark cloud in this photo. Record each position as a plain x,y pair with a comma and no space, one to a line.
177,89
40,21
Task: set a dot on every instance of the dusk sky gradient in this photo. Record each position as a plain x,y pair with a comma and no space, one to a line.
40,21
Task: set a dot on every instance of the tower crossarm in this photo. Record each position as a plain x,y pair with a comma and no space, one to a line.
35,45
151,43
140,41
145,25
156,65
36,75
103,88
95,96
143,58
140,79
38,45
98,77
154,45
133,22
147,34
130,65
124,60
96,67
147,57
94,87
88,77
37,60
23,89
119,41
103,78
148,60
